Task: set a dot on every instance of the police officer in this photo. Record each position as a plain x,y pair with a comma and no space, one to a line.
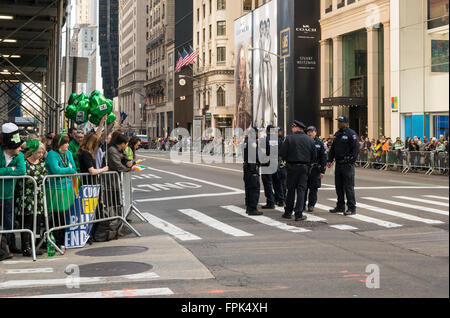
299,152
344,151
279,178
282,172
251,172
318,170
272,186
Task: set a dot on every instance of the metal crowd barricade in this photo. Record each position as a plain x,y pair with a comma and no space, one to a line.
397,159
130,207
420,160
13,210
441,162
363,158
72,201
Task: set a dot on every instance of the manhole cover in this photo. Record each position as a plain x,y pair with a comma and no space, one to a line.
113,269
112,251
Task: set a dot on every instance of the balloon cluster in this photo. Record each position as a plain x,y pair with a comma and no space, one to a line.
82,109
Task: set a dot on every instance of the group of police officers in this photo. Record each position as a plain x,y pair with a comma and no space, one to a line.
302,163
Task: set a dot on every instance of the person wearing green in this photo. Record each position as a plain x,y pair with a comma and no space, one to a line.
59,191
12,164
74,146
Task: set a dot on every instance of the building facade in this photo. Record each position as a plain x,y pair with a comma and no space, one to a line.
109,45
213,38
132,64
420,69
355,65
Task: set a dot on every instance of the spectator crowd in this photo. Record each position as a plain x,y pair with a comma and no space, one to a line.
54,154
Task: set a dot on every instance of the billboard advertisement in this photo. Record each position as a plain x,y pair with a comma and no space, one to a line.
243,75
265,73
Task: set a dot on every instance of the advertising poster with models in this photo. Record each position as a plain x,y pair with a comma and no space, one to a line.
243,73
265,65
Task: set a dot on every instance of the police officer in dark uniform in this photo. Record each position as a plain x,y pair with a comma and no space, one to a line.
299,152
251,172
318,169
271,182
344,151
282,172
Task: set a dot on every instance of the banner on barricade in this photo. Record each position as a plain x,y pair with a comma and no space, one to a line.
83,210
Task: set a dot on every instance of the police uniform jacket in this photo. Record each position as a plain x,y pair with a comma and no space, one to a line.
299,149
345,148
321,160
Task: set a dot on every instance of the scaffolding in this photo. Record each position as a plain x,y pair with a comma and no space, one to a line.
31,59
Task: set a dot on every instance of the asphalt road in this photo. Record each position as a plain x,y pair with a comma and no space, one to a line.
201,243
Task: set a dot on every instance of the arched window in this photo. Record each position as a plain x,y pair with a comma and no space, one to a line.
220,97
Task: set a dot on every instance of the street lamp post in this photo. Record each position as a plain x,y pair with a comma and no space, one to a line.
285,80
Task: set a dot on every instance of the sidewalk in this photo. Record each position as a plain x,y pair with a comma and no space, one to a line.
122,261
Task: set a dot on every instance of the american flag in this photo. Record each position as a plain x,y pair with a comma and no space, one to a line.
191,58
180,62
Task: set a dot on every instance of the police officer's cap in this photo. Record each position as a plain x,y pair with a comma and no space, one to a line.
342,119
311,128
299,124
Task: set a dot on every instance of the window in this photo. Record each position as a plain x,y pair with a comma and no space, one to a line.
438,11
221,54
221,28
221,4
220,97
439,56
441,126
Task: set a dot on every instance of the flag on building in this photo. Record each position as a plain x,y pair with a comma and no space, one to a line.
191,58
181,61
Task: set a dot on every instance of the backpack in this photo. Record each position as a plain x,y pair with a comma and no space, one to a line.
4,249
107,231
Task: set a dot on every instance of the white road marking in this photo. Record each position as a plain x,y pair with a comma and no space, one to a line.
409,206
28,271
422,201
311,217
181,197
436,197
344,227
170,228
392,188
112,294
396,214
32,262
364,218
265,220
214,184
225,228
63,281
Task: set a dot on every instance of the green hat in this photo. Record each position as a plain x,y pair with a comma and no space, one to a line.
33,145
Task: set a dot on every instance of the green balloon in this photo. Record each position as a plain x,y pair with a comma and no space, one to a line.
100,106
95,93
94,120
72,98
111,118
71,112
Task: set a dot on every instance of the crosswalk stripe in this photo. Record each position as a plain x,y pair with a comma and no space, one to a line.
409,206
422,201
396,214
205,219
28,271
265,220
436,197
344,227
170,228
112,294
364,218
311,217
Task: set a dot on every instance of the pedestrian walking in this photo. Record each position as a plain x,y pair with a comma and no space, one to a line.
299,152
345,152
252,173
318,170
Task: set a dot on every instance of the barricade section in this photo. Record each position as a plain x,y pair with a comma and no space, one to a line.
18,211
405,161
74,203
